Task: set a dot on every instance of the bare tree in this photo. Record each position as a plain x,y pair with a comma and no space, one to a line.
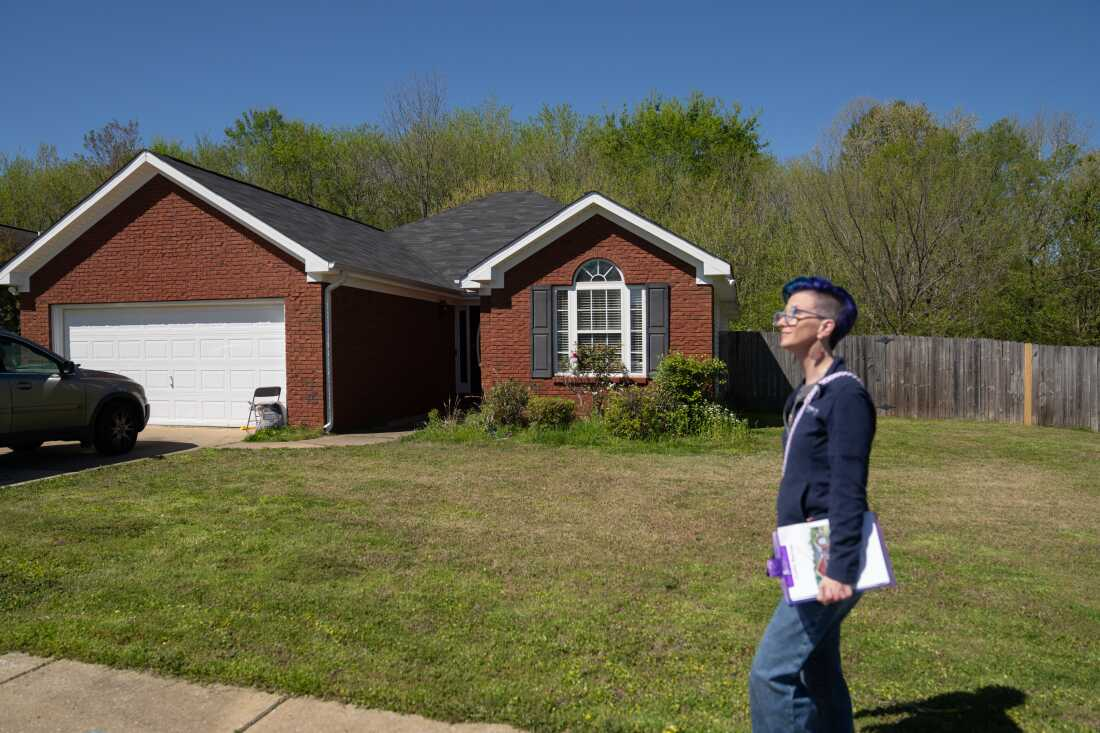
112,145
416,120
898,208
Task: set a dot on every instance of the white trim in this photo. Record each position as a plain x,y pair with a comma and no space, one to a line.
115,191
330,404
709,270
391,287
624,324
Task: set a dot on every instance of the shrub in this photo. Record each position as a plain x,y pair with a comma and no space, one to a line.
504,404
475,420
638,413
550,412
690,381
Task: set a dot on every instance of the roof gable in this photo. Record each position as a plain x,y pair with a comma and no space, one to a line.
117,189
323,241
489,272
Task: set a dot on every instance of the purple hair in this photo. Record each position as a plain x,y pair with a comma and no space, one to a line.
845,319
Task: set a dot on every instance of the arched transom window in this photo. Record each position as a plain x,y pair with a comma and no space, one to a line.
600,308
598,271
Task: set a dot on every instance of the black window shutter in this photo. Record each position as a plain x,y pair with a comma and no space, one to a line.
656,337
542,352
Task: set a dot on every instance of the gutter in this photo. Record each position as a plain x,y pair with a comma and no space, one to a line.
329,407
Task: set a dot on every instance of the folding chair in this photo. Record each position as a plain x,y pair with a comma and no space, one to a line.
261,393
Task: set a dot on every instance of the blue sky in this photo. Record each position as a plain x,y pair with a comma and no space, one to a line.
183,69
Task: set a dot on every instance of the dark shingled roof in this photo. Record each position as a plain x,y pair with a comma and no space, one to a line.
13,240
457,239
349,244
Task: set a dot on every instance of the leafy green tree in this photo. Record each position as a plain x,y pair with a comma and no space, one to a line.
938,226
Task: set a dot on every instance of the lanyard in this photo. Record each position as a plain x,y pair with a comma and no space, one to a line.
805,404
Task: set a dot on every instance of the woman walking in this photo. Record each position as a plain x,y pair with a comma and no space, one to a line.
796,682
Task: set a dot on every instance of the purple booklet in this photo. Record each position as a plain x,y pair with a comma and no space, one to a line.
802,555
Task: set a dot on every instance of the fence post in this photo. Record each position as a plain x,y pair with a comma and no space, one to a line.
1029,404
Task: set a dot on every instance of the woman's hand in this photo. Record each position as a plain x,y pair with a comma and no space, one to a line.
831,591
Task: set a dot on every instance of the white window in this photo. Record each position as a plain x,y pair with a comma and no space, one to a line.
600,308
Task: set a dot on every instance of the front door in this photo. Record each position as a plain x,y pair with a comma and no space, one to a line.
41,399
467,357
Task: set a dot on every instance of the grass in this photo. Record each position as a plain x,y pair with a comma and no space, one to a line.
284,433
557,587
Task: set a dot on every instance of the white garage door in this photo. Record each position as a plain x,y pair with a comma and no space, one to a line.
199,364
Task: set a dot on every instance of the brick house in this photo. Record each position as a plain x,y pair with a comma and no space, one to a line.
202,288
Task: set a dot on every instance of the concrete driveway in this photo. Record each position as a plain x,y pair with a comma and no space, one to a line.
55,459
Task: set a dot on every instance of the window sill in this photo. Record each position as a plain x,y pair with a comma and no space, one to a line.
567,379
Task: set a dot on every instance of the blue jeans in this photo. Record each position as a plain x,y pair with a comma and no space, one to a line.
796,683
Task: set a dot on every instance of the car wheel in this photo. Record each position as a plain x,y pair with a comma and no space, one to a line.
27,447
116,429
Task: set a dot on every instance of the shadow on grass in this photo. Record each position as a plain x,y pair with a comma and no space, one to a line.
984,709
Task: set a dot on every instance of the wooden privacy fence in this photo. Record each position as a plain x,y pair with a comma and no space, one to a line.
932,377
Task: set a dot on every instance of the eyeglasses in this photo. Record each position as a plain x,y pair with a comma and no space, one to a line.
797,314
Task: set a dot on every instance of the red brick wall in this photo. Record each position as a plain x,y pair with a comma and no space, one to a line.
393,357
163,244
506,314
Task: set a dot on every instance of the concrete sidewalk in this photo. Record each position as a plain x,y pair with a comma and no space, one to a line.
39,695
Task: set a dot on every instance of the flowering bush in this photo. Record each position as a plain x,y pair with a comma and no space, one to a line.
721,423
594,368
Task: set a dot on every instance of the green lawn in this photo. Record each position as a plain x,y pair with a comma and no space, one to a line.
564,588
284,433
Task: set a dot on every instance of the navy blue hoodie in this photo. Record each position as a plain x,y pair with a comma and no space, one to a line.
825,471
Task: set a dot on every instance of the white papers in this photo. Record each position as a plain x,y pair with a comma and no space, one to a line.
807,551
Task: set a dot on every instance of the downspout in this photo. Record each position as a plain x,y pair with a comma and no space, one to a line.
329,407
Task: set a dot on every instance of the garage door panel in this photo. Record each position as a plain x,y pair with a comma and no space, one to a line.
241,348
212,348
199,363
270,348
184,349
156,349
183,379
130,349
78,350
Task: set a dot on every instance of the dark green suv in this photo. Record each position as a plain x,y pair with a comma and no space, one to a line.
43,396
